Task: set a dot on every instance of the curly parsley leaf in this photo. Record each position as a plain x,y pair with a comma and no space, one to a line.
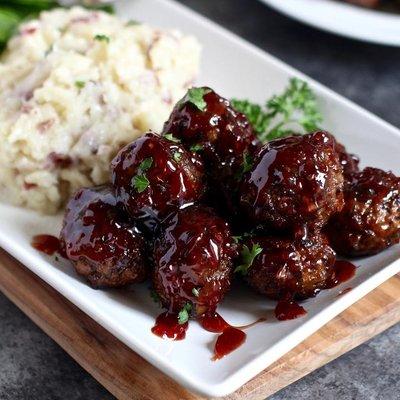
248,257
172,138
258,118
195,96
296,108
184,314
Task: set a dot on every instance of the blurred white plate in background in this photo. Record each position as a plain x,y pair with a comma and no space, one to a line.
343,19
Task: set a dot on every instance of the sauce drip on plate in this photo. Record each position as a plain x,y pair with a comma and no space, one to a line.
229,340
167,325
343,271
288,309
230,337
47,244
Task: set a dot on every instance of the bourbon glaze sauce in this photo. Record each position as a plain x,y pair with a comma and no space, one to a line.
47,244
288,309
167,326
230,338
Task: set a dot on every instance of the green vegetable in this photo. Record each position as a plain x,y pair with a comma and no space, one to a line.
184,314
14,12
195,97
9,21
102,38
171,138
296,108
196,292
248,257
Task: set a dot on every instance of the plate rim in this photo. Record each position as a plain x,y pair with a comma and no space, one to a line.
346,9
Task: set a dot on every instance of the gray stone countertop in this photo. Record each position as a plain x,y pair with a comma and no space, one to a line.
32,366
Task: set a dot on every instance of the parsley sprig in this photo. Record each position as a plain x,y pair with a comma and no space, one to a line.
140,181
296,108
248,256
184,314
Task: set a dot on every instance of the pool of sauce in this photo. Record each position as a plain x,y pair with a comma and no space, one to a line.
343,271
47,244
167,326
229,340
287,309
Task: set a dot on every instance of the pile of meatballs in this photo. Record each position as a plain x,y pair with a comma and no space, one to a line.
183,206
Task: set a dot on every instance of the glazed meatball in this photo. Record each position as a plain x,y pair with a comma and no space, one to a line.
207,123
193,260
295,268
294,181
348,161
370,219
153,176
102,245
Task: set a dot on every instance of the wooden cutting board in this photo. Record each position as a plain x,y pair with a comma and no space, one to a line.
128,376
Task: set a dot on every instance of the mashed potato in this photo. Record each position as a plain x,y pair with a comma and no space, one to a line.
76,85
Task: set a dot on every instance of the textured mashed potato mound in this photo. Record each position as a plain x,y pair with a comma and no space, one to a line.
75,86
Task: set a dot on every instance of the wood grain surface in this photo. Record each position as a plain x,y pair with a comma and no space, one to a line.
128,376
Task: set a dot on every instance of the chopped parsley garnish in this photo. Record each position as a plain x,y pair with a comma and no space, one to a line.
184,314
196,292
102,38
146,164
177,156
195,96
171,138
296,108
258,118
248,257
196,148
80,84
140,181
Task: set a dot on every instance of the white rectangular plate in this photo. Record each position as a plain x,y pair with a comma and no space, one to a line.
233,68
